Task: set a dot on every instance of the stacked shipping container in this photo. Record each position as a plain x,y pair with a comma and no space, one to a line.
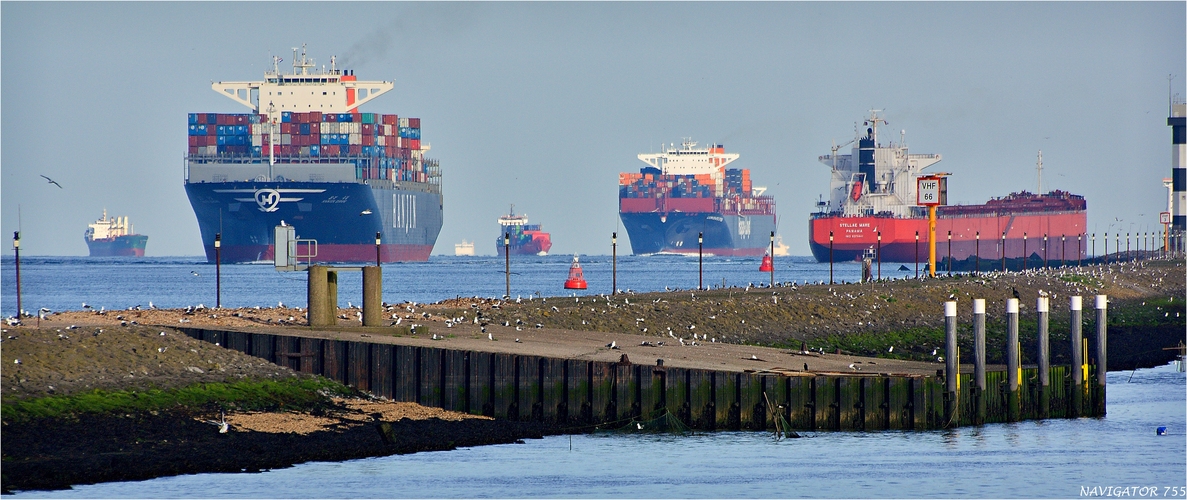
731,190
381,146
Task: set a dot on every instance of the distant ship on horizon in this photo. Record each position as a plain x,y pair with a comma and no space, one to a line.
114,238
465,248
525,239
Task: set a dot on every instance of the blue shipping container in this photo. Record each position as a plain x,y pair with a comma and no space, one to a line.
286,117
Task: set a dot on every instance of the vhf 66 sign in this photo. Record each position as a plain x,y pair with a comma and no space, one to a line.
932,191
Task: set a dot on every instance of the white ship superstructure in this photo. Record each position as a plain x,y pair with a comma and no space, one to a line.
104,229
875,179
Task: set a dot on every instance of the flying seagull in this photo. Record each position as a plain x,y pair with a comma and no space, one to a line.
51,181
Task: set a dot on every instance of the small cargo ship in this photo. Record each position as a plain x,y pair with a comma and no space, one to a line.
114,237
873,191
526,239
686,192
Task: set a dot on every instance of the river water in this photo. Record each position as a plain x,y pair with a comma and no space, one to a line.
64,283
1037,459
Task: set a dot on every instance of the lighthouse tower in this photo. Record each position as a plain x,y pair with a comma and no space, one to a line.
1178,123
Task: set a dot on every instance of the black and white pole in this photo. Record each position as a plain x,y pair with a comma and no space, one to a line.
1003,252
772,259
378,240
830,257
1025,257
1178,123
977,269
1079,349
1043,307
949,253
1102,344
916,254
879,255
700,261
1013,360
979,357
614,259
16,250
218,271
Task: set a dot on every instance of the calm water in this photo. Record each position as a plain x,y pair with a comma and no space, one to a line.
64,283
1054,458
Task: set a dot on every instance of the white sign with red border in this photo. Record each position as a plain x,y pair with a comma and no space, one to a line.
1164,218
930,191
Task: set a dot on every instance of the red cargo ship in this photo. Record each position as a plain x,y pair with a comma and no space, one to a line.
874,191
525,239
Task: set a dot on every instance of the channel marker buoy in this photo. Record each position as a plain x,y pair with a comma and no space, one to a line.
766,265
576,279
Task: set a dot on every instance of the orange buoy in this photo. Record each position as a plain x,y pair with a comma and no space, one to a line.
576,279
766,266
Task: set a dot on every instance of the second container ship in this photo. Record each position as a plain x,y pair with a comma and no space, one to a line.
873,191
521,238
686,200
308,157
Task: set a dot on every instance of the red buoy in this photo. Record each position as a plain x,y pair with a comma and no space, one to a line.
576,279
766,266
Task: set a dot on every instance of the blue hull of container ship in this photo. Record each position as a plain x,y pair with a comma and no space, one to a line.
342,216
677,232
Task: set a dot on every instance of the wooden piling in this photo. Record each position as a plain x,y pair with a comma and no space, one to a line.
1043,308
951,365
1013,361
979,359
316,297
1079,368
331,310
372,296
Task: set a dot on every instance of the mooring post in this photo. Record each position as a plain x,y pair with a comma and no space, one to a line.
16,249
1043,307
951,365
1102,338
1013,367
979,356
316,296
331,310
1079,368
372,296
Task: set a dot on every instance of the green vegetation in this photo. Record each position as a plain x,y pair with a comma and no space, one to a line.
292,393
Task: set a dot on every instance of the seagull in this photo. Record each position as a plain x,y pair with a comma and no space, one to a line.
365,212
613,344
934,351
517,341
51,181
891,349
490,336
195,273
85,305
852,367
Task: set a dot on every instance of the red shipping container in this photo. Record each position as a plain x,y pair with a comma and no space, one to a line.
193,150
368,129
390,119
286,128
220,119
330,118
330,150
314,128
315,117
414,144
368,140
374,172
414,122
355,149
193,140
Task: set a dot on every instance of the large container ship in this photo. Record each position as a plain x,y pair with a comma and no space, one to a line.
525,239
114,237
873,190
306,155
685,192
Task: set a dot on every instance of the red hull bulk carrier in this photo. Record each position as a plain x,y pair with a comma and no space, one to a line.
873,190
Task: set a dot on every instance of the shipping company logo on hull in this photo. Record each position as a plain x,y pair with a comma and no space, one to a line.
269,199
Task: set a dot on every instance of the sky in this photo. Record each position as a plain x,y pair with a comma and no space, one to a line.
542,104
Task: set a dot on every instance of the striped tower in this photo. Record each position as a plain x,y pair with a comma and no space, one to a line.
1178,123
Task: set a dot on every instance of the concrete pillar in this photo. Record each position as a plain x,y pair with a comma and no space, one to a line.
1013,365
1043,306
1102,344
372,296
1079,368
979,356
951,365
316,296
331,311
